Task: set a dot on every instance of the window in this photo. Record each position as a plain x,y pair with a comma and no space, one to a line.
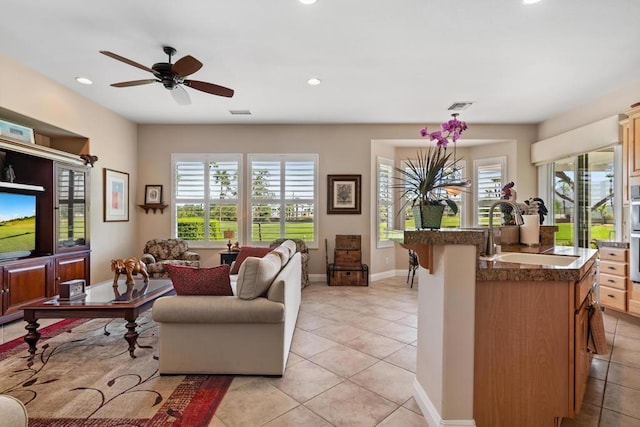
207,197
489,180
385,201
283,197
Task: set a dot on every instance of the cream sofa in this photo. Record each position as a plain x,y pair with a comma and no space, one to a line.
12,412
234,334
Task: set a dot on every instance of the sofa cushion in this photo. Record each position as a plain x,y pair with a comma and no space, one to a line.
256,275
200,281
284,254
247,251
291,245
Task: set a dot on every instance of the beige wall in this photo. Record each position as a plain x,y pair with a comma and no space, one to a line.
112,139
342,149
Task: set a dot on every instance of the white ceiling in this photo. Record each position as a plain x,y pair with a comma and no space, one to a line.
401,61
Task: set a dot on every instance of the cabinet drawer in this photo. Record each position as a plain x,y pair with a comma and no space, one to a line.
613,298
634,306
613,254
613,267
584,286
611,281
635,291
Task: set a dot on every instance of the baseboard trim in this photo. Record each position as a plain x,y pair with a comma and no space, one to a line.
430,412
322,278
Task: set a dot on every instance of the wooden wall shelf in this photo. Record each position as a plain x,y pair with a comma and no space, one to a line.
154,207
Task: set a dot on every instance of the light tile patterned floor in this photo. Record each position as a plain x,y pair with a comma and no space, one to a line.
352,363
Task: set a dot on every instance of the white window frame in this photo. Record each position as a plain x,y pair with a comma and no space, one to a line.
206,159
500,161
282,201
384,188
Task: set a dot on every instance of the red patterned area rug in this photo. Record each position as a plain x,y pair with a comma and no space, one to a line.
82,375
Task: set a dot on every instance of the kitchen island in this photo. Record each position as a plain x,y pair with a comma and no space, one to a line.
499,343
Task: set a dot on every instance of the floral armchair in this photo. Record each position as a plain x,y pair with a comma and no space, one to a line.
301,247
158,252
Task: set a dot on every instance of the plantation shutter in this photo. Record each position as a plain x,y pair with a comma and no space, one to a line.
283,197
489,181
385,200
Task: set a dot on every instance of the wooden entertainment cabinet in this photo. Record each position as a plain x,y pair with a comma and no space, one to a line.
62,220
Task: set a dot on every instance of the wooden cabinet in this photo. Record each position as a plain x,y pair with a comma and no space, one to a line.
25,282
531,360
62,226
631,137
71,267
614,277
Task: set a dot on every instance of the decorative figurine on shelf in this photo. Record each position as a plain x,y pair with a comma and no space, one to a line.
89,159
508,193
235,247
228,234
535,206
128,266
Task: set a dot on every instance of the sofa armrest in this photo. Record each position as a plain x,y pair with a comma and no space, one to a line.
13,411
148,259
191,256
216,309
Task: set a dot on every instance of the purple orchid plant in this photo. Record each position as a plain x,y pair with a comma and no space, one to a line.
451,129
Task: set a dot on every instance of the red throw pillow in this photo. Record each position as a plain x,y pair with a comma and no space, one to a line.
246,251
200,281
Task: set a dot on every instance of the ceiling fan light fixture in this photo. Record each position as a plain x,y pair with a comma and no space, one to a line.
307,2
84,80
530,1
314,81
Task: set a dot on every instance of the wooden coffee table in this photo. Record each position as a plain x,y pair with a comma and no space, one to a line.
102,300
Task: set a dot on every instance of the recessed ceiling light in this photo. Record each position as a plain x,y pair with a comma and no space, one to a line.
314,81
308,1
84,80
530,1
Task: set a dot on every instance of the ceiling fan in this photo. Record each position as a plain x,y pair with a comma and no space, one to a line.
172,76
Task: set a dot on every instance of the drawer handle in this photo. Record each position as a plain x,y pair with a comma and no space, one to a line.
610,296
612,254
611,281
611,268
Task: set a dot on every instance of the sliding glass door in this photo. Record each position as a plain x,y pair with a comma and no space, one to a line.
584,202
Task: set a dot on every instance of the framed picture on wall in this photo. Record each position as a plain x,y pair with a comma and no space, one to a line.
116,195
152,194
343,194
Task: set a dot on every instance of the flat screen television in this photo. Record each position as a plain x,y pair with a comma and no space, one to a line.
17,225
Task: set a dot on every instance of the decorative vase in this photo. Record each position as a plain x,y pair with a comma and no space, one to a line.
428,216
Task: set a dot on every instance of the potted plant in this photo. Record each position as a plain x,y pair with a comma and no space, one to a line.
424,184
428,180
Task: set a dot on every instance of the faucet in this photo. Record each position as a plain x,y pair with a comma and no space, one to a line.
490,250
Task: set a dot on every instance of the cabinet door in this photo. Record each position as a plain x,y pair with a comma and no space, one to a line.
70,268
25,283
72,220
582,355
633,135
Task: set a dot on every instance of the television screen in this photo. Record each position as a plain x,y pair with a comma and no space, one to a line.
17,225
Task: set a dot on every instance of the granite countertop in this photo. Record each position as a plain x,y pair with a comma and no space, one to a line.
495,270
612,244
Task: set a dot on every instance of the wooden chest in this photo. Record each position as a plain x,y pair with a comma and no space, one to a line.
348,241
347,257
347,278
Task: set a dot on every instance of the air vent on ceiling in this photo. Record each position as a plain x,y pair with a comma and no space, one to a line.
459,106
240,112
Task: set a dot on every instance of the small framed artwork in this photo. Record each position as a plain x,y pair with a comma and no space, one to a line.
116,195
152,194
343,194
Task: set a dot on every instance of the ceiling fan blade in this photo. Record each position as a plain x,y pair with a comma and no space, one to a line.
126,61
186,66
134,83
209,88
180,95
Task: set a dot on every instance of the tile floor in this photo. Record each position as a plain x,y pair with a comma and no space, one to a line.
352,363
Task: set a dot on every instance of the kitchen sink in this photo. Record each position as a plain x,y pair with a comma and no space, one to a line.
537,259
